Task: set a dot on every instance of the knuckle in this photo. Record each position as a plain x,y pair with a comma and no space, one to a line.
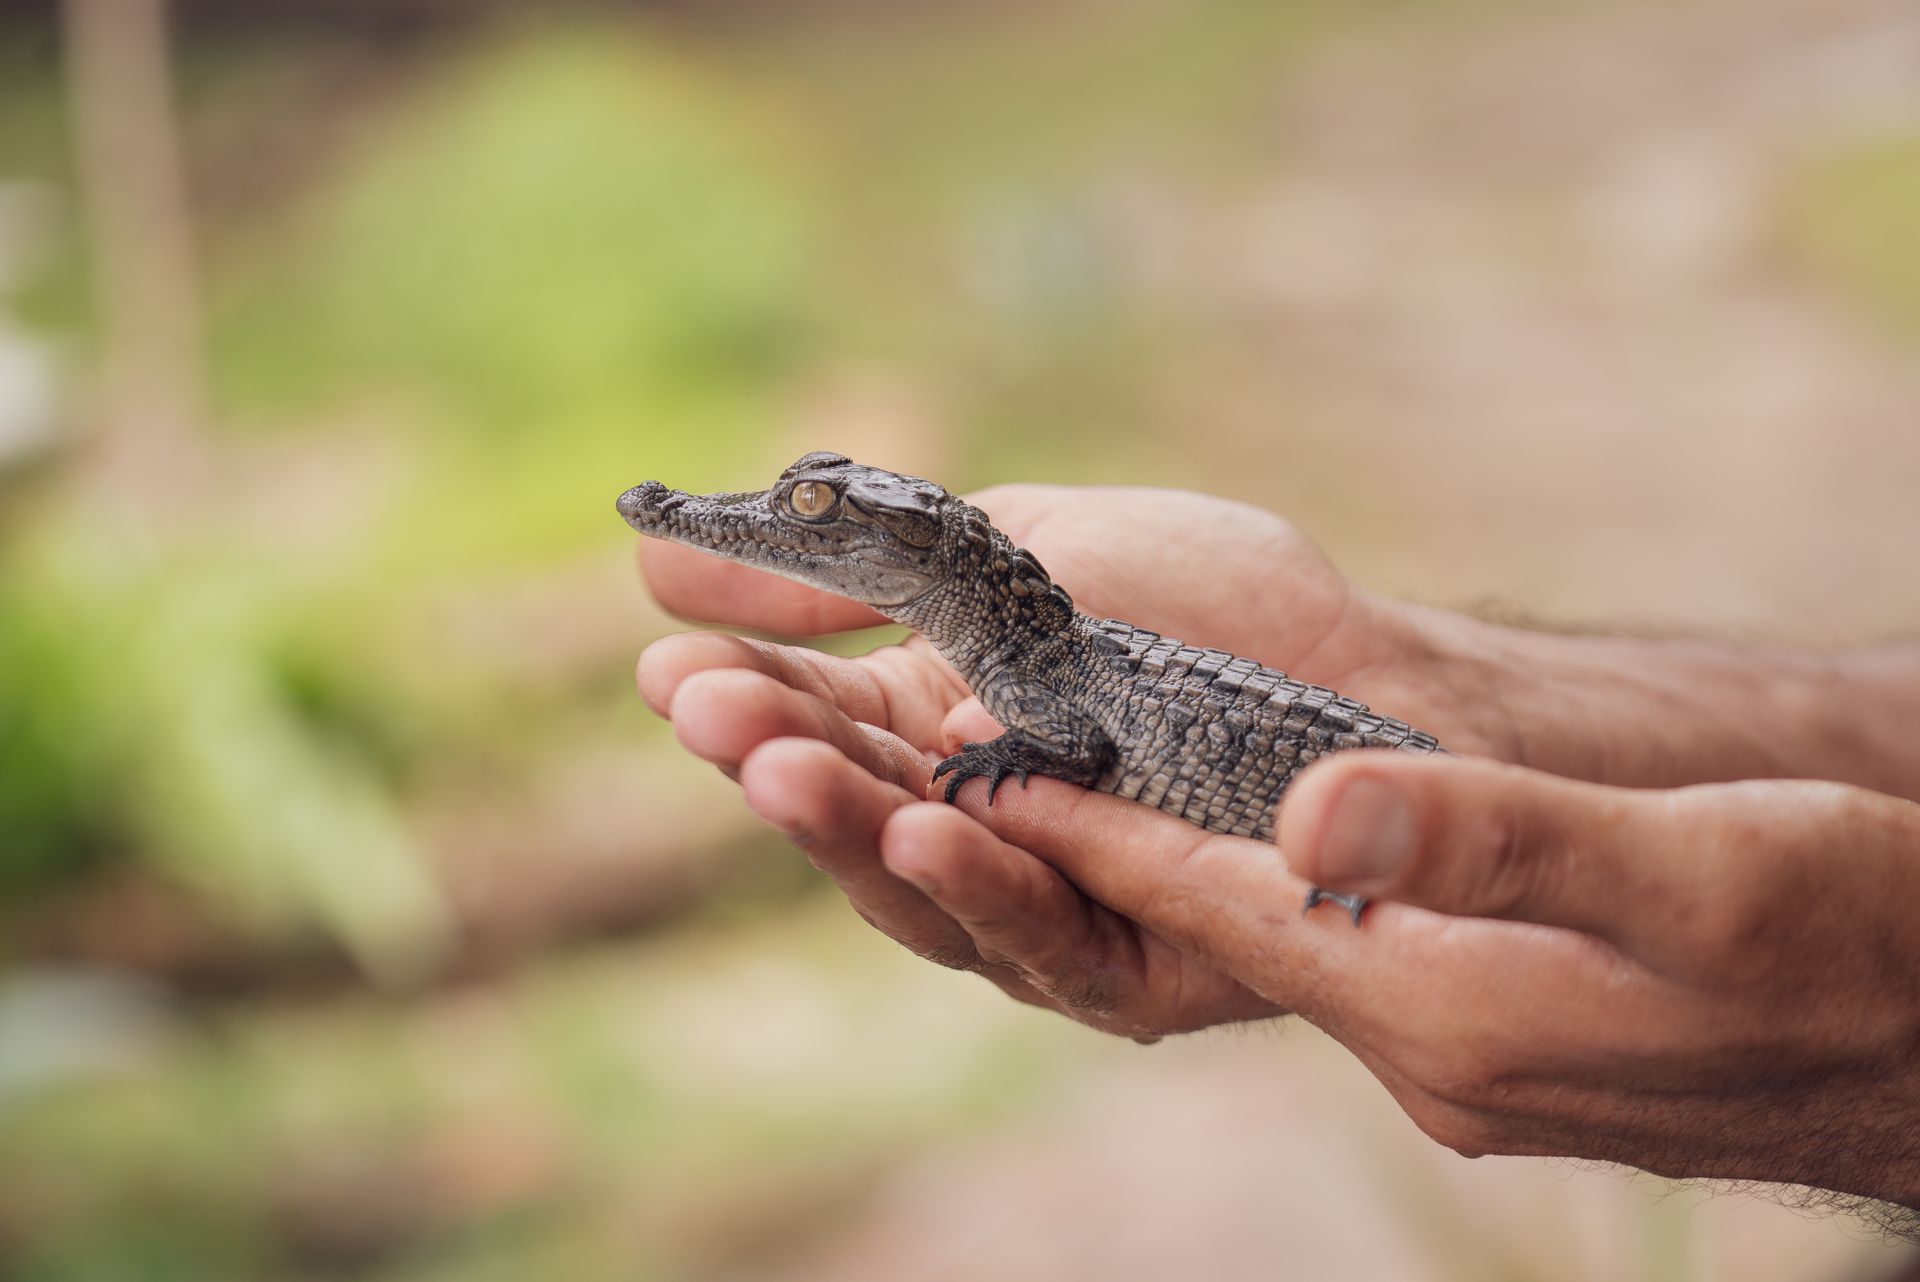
1077,982
1086,990
951,956
1747,889
1141,1032
1184,895
1519,871
1465,1132
1727,929
1466,1076
1724,918
1018,983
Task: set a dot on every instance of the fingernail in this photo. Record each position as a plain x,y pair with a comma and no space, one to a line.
1369,836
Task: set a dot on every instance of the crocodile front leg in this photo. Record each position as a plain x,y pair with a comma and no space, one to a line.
1072,749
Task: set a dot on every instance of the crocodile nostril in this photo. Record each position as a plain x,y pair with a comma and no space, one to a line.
638,501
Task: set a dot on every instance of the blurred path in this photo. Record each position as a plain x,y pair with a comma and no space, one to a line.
1530,266
1545,282
1257,1155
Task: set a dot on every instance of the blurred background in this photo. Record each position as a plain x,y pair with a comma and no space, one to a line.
357,921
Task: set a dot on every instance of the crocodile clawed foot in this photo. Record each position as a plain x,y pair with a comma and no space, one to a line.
1352,903
979,761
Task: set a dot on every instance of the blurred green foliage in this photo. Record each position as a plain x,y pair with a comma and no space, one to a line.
144,706
551,233
558,259
551,267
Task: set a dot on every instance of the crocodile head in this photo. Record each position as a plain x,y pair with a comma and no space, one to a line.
860,532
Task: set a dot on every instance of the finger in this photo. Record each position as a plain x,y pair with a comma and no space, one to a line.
1226,901
1020,911
1409,984
1480,839
1014,908
898,688
697,585
722,714
967,722
835,811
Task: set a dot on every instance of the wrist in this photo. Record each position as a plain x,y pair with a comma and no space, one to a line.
1636,712
1625,711
1645,712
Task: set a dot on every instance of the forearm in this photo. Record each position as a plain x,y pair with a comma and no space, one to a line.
1664,713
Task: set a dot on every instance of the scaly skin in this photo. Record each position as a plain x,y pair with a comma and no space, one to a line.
1194,732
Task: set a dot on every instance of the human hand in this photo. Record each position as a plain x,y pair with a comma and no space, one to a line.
1718,981
1141,924
837,752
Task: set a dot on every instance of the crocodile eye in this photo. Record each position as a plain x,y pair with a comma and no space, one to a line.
811,498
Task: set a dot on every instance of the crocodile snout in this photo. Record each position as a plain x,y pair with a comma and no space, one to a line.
643,501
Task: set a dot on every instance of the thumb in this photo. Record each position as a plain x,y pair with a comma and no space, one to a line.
1478,839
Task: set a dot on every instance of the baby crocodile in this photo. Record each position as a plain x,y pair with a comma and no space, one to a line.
1197,733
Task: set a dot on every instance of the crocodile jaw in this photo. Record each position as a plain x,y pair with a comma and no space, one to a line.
844,558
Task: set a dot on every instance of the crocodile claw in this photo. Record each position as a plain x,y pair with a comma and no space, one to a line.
978,761
1352,903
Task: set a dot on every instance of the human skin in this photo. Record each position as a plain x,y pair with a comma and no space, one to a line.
1584,941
